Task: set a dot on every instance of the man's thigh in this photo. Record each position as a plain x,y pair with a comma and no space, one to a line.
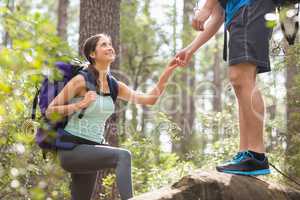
249,36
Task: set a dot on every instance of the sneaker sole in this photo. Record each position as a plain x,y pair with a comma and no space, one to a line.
250,173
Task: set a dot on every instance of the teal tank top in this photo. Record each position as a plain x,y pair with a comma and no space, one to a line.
91,126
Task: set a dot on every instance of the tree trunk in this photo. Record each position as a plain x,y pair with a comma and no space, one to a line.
185,119
217,81
219,186
144,120
217,85
292,63
174,104
62,21
293,110
7,42
174,27
102,16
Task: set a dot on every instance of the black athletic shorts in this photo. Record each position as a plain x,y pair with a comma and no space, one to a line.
249,37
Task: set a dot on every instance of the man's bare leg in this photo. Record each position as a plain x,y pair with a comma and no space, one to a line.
251,106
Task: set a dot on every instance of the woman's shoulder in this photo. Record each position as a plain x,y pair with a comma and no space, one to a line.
78,77
78,84
78,80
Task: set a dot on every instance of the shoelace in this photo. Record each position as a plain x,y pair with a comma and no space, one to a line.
237,156
241,155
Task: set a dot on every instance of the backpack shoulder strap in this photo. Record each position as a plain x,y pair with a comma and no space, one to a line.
90,83
90,80
34,104
113,87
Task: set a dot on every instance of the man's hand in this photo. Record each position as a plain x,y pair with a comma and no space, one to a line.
183,57
200,17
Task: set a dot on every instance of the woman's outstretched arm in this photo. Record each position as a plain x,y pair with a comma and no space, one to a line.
127,94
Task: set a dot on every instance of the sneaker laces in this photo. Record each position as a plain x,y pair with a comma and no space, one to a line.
242,155
237,156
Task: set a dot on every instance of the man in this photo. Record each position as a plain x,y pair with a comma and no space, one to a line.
248,56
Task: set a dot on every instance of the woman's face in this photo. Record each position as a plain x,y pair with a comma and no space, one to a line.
104,51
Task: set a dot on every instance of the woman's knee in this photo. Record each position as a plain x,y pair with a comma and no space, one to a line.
71,161
125,155
64,161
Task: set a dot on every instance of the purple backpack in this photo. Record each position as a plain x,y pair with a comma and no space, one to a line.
50,135
47,136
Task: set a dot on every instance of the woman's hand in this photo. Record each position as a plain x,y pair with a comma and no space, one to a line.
175,62
89,97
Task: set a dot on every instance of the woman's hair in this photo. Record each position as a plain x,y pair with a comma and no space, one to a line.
89,46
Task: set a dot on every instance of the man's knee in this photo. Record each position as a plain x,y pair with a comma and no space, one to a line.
242,75
235,77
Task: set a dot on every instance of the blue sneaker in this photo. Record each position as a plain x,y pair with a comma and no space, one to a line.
244,163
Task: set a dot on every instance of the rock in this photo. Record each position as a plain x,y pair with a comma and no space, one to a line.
203,185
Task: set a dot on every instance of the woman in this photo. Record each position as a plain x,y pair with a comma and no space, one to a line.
85,159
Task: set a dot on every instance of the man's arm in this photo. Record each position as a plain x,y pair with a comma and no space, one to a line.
210,4
202,14
211,27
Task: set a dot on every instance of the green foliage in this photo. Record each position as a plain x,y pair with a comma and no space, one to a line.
33,50
140,42
107,184
153,168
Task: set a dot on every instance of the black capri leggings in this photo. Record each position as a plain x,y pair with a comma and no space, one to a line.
85,160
